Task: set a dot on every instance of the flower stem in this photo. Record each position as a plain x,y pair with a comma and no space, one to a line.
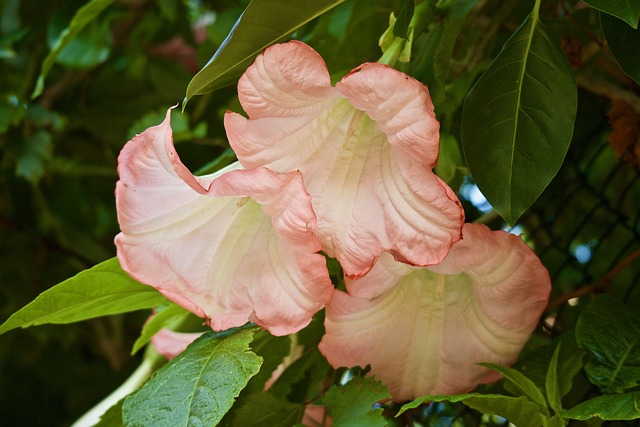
147,367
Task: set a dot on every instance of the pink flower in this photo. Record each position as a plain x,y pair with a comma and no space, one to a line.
365,148
234,246
423,329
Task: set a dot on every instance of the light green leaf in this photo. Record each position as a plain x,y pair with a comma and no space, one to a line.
84,16
99,291
608,407
555,421
164,317
521,385
197,387
519,410
551,384
351,405
623,42
627,10
266,410
263,23
517,120
610,332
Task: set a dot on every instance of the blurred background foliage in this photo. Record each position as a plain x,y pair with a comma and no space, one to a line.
58,157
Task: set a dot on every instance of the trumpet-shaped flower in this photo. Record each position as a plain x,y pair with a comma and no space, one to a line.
366,149
423,330
234,246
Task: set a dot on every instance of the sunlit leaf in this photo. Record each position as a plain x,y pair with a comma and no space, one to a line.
610,332
263,23
623,42
521,385
352,404
627,10
100,291
84,16
518,120
163,318
624,406
197,387
519,410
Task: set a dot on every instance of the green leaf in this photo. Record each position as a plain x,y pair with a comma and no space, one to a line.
521,385
450,167
610,332
113,416
301,381
608,407
84,16
164,317
352,404
401,26
551,384
623,42
519,410
273,350
263,23
266,410
90,48
517,120
99,291
197,387
627,10
36,152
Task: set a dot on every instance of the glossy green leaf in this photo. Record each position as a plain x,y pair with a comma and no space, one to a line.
624,406
263,23
519,410
164,317
197,387
610,332
623,42
84,16
552,386
521,385
518,120
351,405
99,291
267,410
627,10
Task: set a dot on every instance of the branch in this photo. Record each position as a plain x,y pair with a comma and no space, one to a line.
597,286
608,90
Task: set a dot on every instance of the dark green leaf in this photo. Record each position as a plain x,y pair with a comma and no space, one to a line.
36,152
623,42
273,350
401,26
302,379
90,48
113,416
84,16
266,410
518,120
519,410
197,387
262,24
164,317
450,168
627,10
551,384
610,332
352,404
521,386
99,291
609,407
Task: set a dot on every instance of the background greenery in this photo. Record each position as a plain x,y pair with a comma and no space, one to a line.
116,70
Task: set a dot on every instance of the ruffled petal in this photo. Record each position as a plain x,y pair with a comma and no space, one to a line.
233,247
425,333
365,149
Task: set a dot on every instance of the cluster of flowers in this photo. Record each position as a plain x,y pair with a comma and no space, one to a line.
345,170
